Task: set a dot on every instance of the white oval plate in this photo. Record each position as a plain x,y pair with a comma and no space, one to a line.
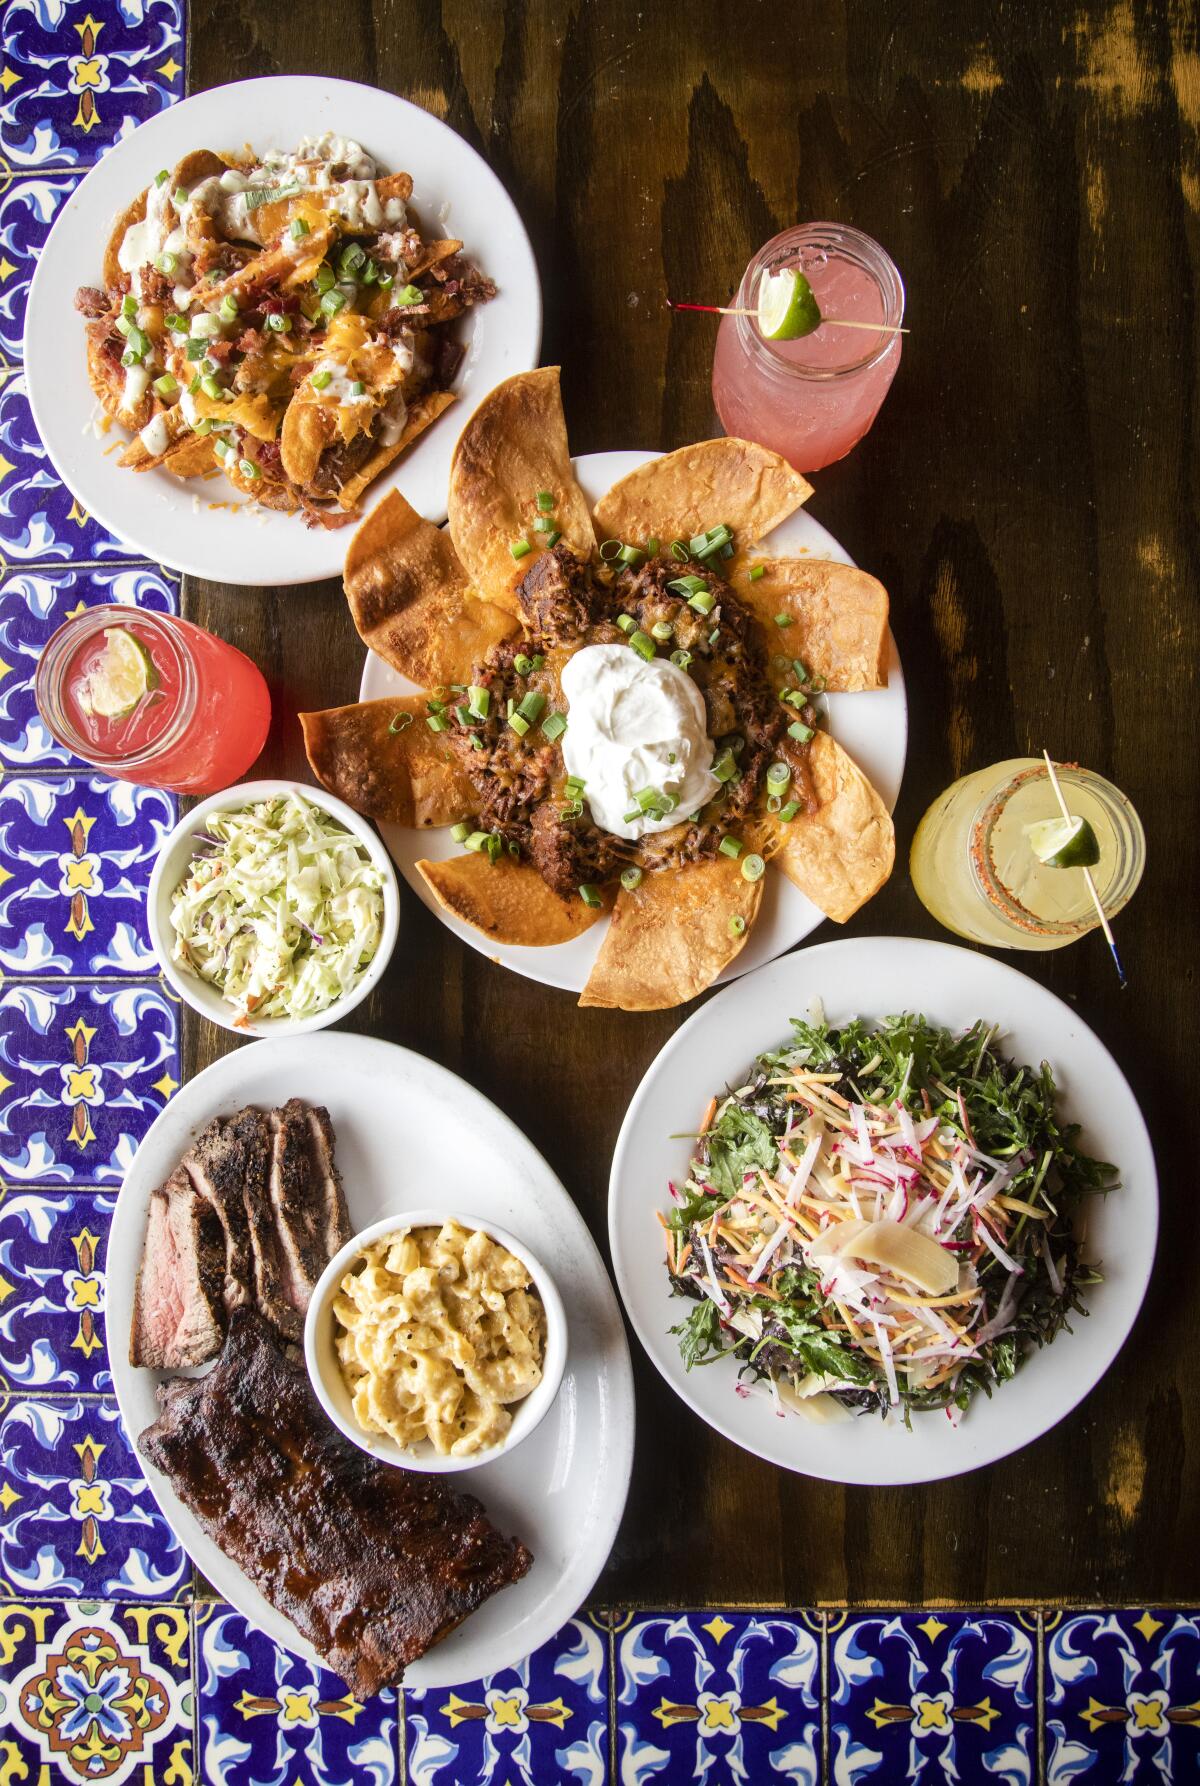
405,1129
872,727
876,977
170,521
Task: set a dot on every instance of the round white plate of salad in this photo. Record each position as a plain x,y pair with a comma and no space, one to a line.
310,160
872,727
884,1211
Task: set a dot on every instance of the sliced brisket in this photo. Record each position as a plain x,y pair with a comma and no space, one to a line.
178,1308
306,1201
372,1564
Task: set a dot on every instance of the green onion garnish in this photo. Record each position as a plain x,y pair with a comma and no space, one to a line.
130,358
461,831
651,547
662,629
610,551
553,726
630,555
690,585
752,868
129,305
204,426
227,310
681,659
572,810
177,324
324,278
210,387
401,723
800,732
519,724
162,176
522,664
631,878
725,768
590,895
520,548
704,601
627,623
552,539
409,294
479,700
679,551
332,302
532,706
788,812
633,815
166,386
575,785
195,349
756,571
543,524
545,501
279,323
437,722
778,776
800,670
539,662
643,645
351,259
729,846
299,229
320,380
647,800
477,840
697,544
737,924
249,469
358,388
167,263
774,802
180,197
386,281
783,620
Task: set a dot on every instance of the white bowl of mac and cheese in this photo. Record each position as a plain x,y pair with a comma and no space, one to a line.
435,1342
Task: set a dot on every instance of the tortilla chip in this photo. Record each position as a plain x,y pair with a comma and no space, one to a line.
133,213
190,457
839,618
197,165
409,777
275,263
409,599
669,938
185,454
840,855
421,415
308,428
394,186
513,446
430,255
736,481
507,900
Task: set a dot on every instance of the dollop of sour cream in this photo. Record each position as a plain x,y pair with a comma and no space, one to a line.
634,725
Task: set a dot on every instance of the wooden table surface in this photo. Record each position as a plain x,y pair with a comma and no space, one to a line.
1027,495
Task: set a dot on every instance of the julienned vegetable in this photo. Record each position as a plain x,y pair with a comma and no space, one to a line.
283,911
883,1217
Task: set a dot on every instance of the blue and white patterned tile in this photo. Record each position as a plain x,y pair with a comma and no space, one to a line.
77,1513
75,863
266,1718
75,83
544,1720
27,210
719,1697
52,1257
39,518
84,1070
33,604
1122,1697
933,1697
95,1691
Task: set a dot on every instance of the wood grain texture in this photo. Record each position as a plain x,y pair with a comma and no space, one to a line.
1028,497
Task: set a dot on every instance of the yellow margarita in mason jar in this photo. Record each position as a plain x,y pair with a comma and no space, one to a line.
979,863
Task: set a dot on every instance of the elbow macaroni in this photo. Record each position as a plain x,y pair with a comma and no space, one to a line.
439,1331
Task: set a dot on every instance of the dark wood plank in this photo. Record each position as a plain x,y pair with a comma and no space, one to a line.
1027,495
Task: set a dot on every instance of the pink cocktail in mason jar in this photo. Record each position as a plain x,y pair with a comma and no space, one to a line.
153,699
814,398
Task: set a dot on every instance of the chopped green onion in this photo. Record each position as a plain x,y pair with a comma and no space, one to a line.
249,469
756,571
519,548
409,294
610,551
222,448
532,706
522,664
681,659
690,585
545,501
299,229
180,197
130,358
783,620
207,365
727,549
714,635
478,841
324,278
162,176
543,524
433,706
227,309
368,275
643,645
801,670
697,544
662,629
590,895
460,832
476,742
631,878
647,800
138,339
729,846
774,802
630,555
401,723
788,812
725,768
800,732
279,323
575,785
514,849
358,388
793,697
437,722
817,684
177,324
195,349
737,924
166,386
351,259
319,380
704,601
519,724
552,539
633,815
679,551
553,726
167,263
464,716
651,547
752,868
332,302
210,387
539,662
129,305
627,623
204,426
778,775
573,810
386,281
479,700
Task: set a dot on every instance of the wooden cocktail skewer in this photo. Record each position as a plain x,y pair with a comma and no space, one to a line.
1105,926
835,322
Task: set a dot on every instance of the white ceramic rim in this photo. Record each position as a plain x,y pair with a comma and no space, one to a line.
1054,1380
323,1371
178,849
151,512
872,726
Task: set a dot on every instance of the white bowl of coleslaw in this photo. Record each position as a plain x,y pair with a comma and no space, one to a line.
477,1423
273,908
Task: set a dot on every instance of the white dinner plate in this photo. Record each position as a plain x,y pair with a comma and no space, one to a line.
878,977
454,190
872,727
409,1135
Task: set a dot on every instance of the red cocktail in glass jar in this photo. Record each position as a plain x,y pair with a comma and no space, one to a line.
812,398
147,697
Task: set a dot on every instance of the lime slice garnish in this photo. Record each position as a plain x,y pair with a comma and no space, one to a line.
1064,843
787,307
123,676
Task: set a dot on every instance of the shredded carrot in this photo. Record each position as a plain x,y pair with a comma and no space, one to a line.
683,1258
708,1116
743,1283
932,1301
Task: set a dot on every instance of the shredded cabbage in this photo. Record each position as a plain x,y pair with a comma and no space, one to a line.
283,914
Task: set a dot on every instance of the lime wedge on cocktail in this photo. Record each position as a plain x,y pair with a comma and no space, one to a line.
787,307
1064,843
121,678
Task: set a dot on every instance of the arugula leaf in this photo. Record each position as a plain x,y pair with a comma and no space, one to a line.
740,1142
700,1335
